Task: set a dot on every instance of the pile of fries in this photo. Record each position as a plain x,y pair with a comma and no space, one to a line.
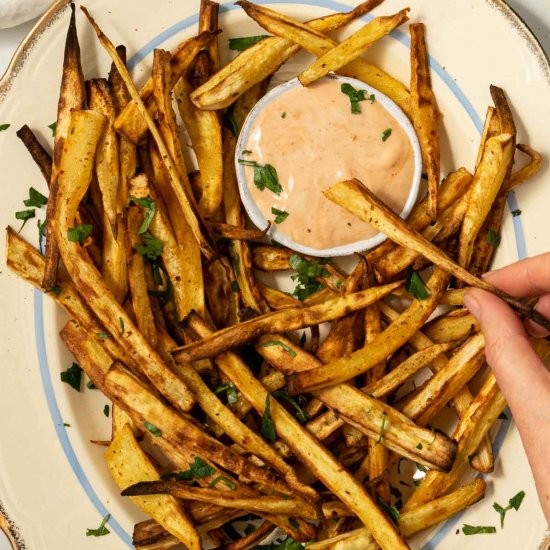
202,361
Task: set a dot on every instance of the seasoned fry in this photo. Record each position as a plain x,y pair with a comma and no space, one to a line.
425,114
228,231
193,220
357,199
270,504
312,39
40,156
317,458
280,321
72,96
455,325
261,60
131,122
128,465
378,350
352,47
85,131
412,521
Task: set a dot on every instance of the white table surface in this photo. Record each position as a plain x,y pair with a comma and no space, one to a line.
536,13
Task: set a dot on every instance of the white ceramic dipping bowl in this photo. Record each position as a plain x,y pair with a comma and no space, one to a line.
256,215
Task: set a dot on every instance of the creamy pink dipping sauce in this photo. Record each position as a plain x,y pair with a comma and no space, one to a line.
313,140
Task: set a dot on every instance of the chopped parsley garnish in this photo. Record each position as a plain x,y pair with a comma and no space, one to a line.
79,233
419,446
268,428
478,530
415,285
246,152
307,271
355,96
53,128
121,324
382,429
264,176
286,544
280,215
301,415
72,376
197,470
151,248
66,425
36,199
223,479
56,289
293,522
231,392
386,134
272,343
493,238
235,286
244,42
106,410
41,232
103,335
24,215
514,503
283,114
4,127
164,295
150,209
516,212
229,120
101,530
421,468
390,511
153,429
90,385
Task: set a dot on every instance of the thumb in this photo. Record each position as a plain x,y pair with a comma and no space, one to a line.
520,373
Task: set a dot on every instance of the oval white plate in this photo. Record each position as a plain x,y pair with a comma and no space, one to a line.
53,481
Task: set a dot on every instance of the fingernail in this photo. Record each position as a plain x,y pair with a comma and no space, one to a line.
487,274
471,303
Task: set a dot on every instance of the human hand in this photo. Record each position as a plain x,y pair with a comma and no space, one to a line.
520,373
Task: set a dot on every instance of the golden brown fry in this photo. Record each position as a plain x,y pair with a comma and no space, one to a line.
280,321
263,59
129,465
447,382
312,39
205,131
353,46
388,341
321,463
245,102
76,164
130,122
481,415
228,231
425,113
277,299
222,292
239,250
489,177
40,156
412,521
357,199
251,540
71,96
455,325
194,221
491,128
270,504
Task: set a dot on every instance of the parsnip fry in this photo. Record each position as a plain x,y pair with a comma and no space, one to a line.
280,321
85,131
194,221
425,113
71,96
352,47
128,465
313,40
40,156
357,199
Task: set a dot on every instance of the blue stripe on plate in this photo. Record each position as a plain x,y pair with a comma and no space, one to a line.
55,414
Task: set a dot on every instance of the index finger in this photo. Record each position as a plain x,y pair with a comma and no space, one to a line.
526,278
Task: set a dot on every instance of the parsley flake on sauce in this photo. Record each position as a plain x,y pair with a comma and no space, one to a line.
265,177
355,96
280,215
